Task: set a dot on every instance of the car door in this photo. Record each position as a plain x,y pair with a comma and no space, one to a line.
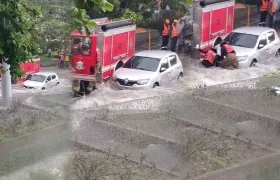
272,43
164,72
174,67
54,80
262,48
48,82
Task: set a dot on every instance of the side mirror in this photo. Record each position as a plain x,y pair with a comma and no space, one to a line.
162,69
260,46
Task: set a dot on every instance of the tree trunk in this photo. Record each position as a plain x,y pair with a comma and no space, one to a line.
6,83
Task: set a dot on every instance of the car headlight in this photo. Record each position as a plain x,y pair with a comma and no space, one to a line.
242,58
143,81
114,78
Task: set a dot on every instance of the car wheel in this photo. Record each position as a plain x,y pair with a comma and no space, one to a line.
277,55
180,76
253,63
155,85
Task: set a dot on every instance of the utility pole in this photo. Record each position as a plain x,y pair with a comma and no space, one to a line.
6,83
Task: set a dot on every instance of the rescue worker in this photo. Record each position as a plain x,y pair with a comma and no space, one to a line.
80,87
174,33
271,12
210,58
229,56
264,11
165,33
267,7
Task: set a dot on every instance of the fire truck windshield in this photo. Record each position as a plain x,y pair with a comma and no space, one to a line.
81,45
142,63
242,39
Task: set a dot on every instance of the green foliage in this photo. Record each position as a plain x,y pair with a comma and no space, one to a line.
81,20
137,18
19,27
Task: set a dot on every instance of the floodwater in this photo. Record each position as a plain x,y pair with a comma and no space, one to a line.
193,76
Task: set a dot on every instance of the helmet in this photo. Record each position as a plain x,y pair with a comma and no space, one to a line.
175,20
167,21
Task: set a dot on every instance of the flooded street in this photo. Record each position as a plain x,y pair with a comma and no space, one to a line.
194,76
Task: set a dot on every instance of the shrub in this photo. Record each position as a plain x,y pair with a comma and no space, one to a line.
133,16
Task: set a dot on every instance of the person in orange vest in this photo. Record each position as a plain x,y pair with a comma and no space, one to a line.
210,58
264,11
271,12
165,33
174,33
229,56
267,7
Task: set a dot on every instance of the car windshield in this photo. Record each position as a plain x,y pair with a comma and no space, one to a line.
81,45
242,40
37,78
143,63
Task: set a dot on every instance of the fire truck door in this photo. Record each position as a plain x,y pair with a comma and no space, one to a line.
218,23
119,47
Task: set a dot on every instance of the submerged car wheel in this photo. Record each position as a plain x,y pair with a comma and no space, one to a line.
180,76
155,85
253,63
277,55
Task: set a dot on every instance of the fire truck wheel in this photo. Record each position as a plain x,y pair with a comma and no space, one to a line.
155,85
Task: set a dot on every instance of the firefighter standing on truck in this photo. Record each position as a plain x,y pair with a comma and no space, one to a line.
229,56
267,7
174,33
165,33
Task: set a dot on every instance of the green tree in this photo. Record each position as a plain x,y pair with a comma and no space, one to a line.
18,27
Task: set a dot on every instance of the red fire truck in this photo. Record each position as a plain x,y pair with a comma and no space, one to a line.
29,67
113,42
212,19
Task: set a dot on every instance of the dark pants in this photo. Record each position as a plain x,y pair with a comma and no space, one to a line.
271,18
207,64
62,64
173,43
263,18
165,40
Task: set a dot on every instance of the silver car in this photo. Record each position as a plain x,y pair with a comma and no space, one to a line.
148,69
253,44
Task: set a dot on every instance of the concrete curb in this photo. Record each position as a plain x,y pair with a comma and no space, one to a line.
243,171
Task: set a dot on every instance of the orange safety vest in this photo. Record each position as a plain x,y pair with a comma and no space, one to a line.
174,32
271,7
264,6
210,56
229,49
165,30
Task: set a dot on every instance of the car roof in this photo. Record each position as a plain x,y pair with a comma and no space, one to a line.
252,30
155,53
45,73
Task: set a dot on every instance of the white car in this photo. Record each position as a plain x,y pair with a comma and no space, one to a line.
253,45
41,80
148,69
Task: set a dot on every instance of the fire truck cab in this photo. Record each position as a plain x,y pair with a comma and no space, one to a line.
212,19
97,56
